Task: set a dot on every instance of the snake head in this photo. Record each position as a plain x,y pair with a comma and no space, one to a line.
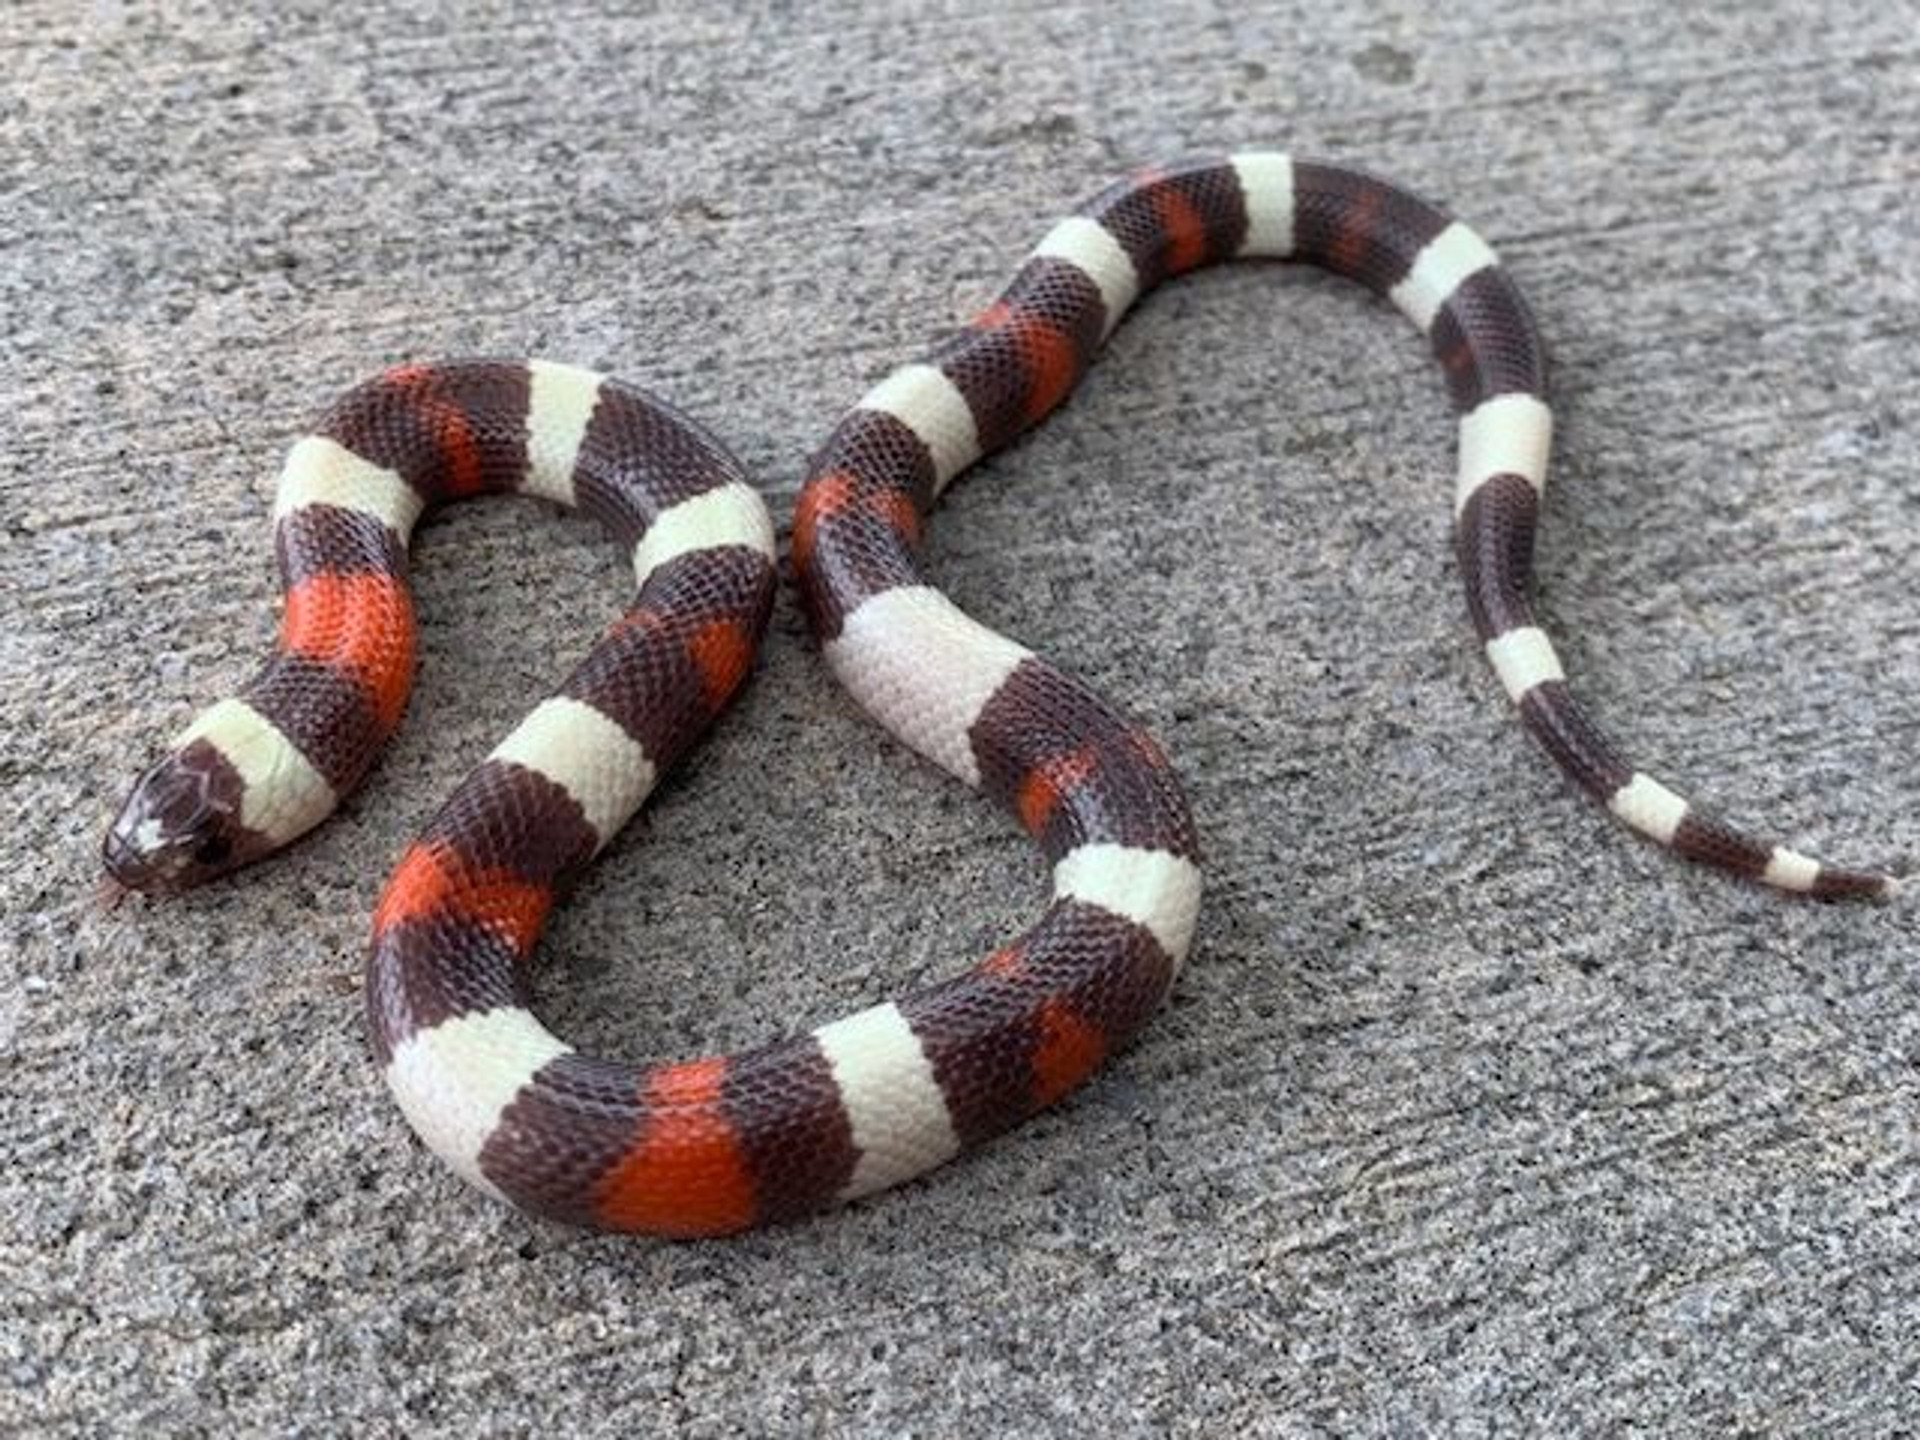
181,825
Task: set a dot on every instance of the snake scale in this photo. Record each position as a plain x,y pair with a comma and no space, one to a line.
713,1145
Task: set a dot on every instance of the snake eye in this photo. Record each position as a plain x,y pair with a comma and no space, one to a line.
214,849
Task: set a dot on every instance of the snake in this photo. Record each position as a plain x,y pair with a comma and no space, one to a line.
716,1144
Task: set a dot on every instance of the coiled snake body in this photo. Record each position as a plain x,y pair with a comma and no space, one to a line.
713,1145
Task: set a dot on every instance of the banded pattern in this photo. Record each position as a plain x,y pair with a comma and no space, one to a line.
859,518
685,1148
258,770
714,1144
482,1081
1091,787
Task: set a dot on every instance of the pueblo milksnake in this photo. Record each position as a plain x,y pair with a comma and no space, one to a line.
713,1145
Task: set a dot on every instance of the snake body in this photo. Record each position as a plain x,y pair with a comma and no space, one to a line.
716,1144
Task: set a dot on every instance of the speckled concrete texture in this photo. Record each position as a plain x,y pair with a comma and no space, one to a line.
1471,1115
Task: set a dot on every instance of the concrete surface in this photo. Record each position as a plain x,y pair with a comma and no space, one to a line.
1471,1114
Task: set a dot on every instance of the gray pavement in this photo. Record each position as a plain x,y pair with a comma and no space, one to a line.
1471,1114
